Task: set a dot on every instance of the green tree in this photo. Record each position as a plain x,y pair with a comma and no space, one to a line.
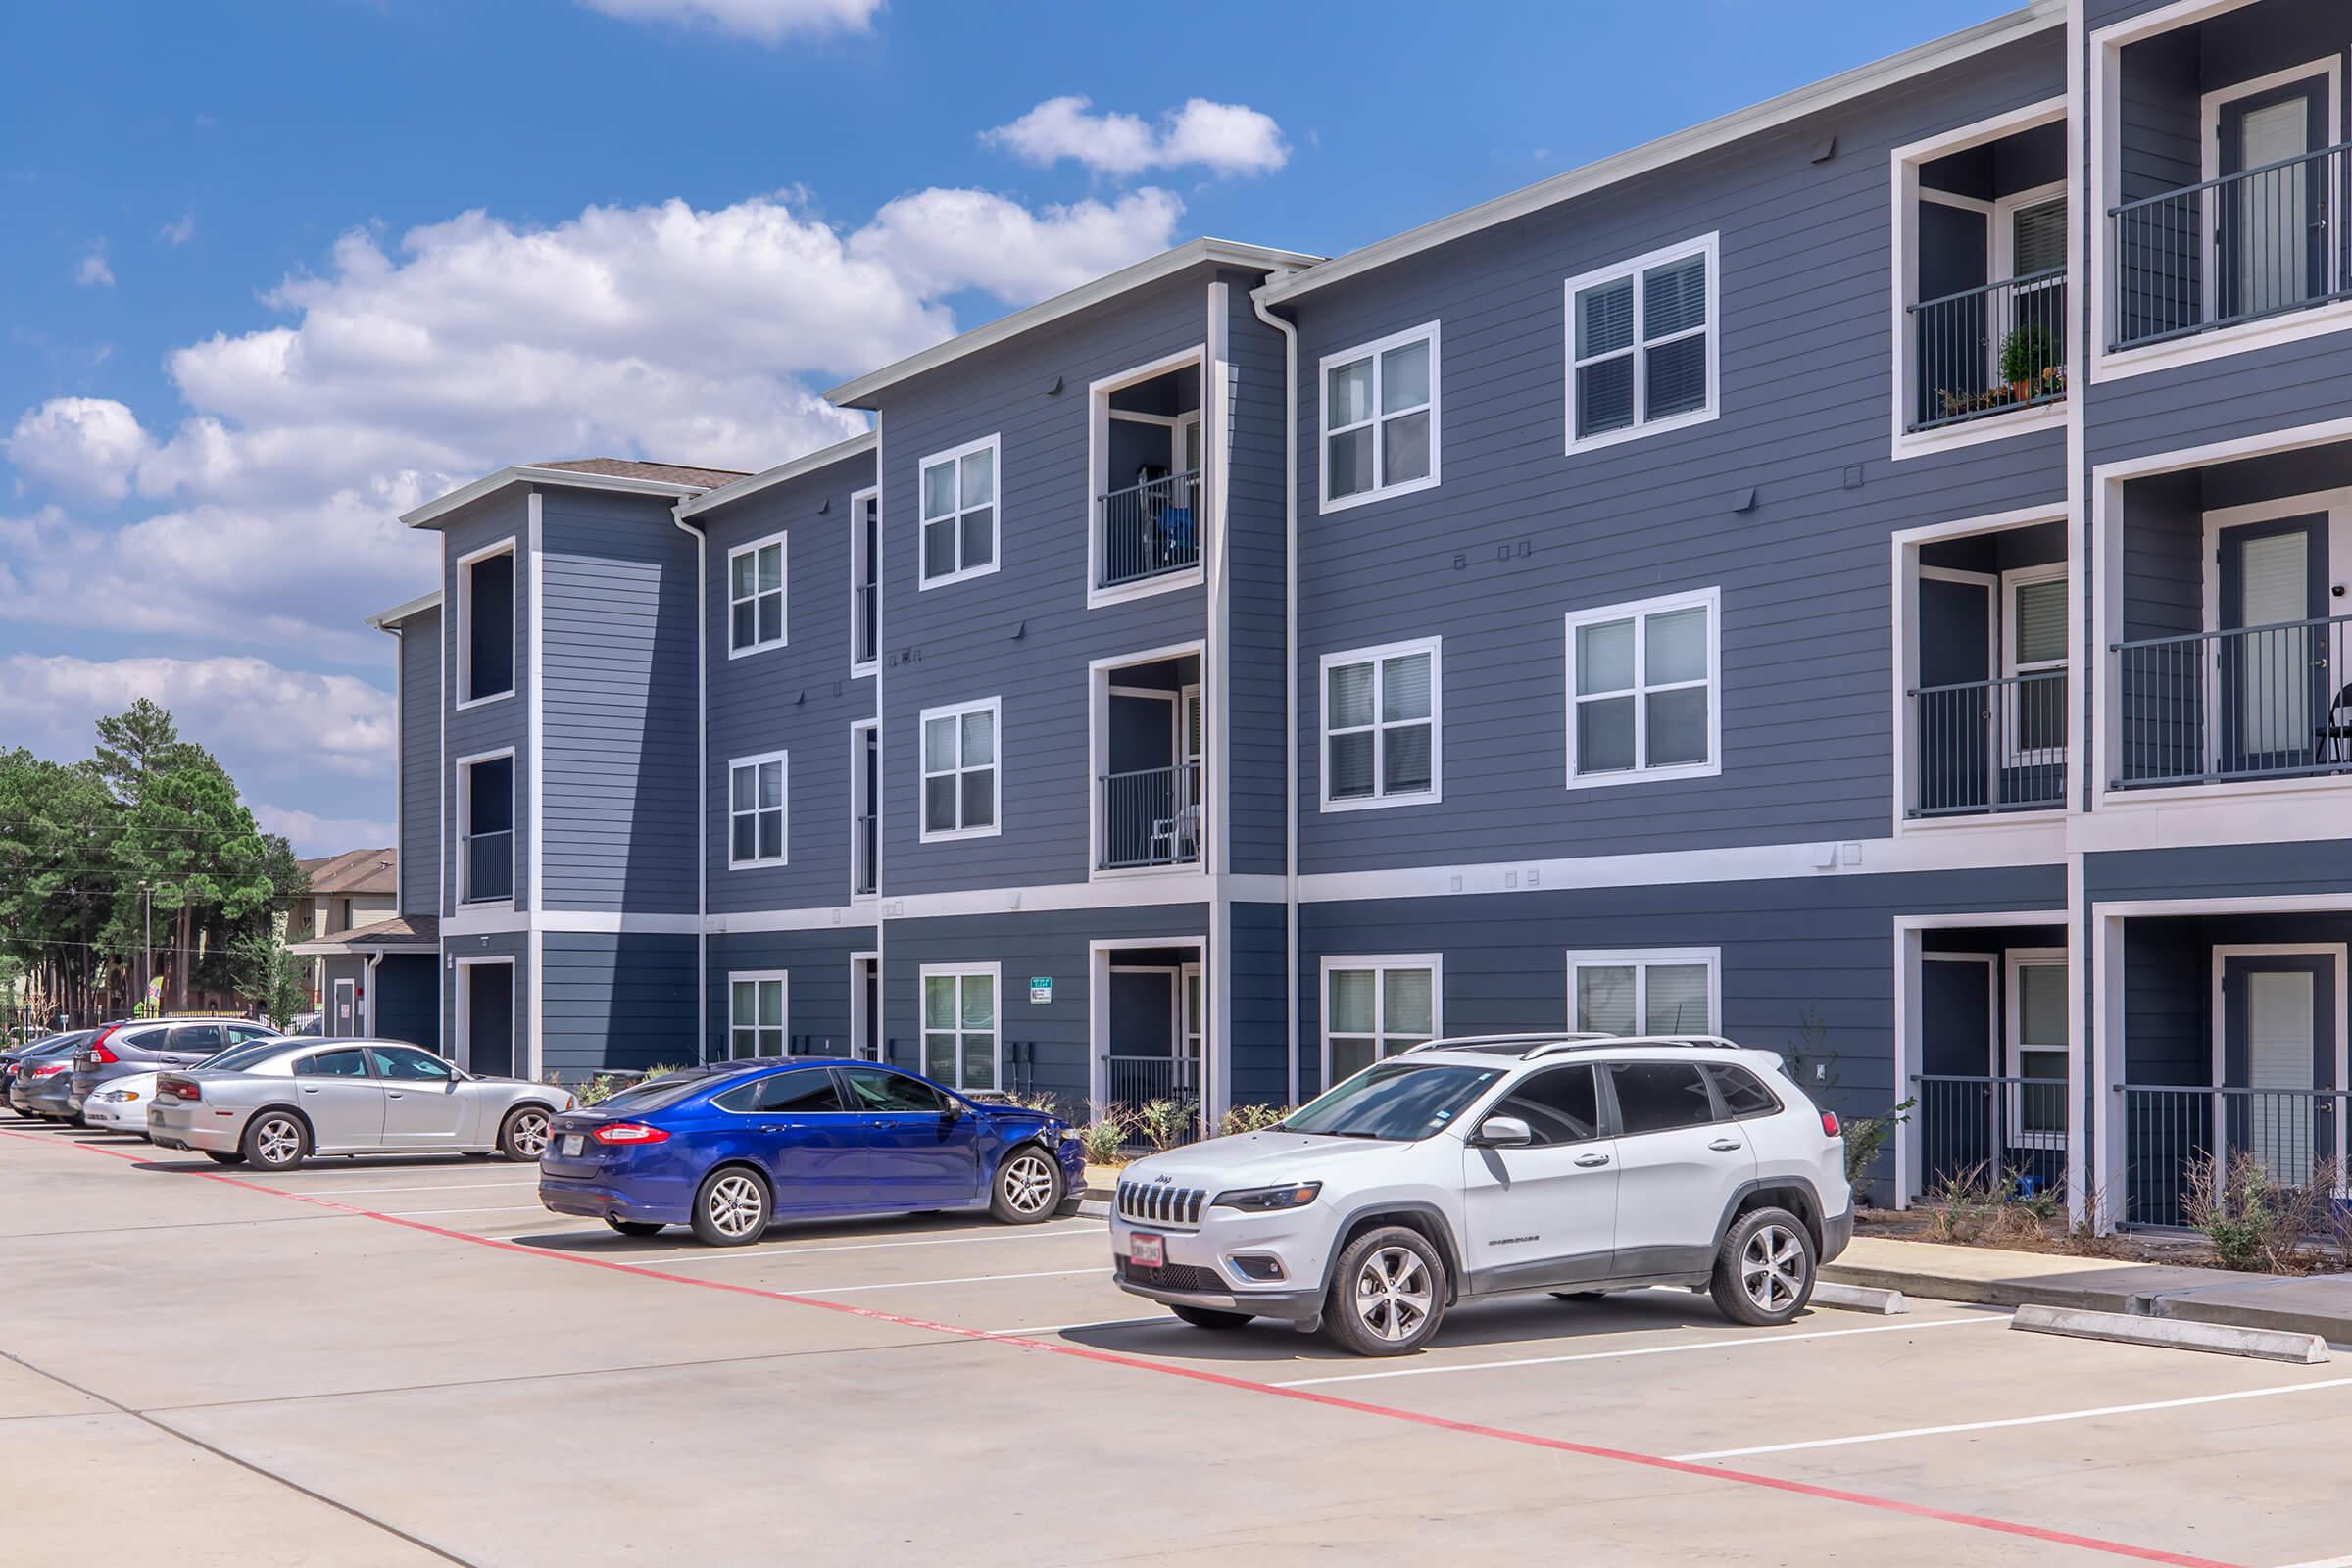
194,845
269,976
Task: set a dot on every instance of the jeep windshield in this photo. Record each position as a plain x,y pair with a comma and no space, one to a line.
1398,1100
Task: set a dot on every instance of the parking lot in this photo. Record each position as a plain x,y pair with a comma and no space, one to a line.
407,1362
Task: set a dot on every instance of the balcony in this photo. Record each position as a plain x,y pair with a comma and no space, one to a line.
1990,351
2260,243
1151,818
2258,702
1148,805
1991,744
489,867
1149,529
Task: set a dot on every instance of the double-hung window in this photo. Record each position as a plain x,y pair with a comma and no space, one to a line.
1642,345
960,772
959,512
1382,708
755,596
1375,1007
1643,695
486,624
2037,1009
757,811
2034,660
1380,418
1661,991
959,1025
758,1015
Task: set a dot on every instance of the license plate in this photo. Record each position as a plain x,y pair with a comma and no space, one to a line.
1148,1251
572,1144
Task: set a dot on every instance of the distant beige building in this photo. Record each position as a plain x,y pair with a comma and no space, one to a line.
355,888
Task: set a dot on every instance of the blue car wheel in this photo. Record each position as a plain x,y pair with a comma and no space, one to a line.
732,1207
1027,1188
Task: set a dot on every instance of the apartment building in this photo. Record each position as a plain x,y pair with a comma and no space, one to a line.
1861,575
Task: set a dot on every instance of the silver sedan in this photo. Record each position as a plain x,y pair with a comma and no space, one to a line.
279,1103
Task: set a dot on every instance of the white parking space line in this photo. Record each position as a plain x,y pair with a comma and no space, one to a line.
2019,1420
708,1256
476,1209
967,1279
1648,1349
437,1187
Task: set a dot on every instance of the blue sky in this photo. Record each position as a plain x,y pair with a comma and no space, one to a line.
279,268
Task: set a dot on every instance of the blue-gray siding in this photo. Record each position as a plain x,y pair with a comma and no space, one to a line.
504,722
420,782
818,993
620,1000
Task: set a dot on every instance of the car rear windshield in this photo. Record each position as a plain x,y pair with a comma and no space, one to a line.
237,1058
660,1093
1394,1100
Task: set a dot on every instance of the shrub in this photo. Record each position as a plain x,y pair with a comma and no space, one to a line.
599,1088
2257,1225
1251,1120
1164,1123
1105,1136
2026,352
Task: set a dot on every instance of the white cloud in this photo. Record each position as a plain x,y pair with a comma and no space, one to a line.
178,231
91,272
87,445
1225,139
940,241
767,21
312,834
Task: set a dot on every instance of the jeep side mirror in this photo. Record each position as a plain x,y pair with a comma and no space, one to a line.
1503,1132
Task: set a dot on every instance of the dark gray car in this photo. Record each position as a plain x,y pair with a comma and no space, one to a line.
14,1068
155,1047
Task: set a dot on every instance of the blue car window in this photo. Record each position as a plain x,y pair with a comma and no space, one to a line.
807,1092
332,1064
878,1088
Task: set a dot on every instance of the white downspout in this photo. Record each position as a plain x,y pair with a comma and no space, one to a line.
373,958
701,791
1289,674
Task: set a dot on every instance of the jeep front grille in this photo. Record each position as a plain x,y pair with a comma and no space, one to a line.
1159,1203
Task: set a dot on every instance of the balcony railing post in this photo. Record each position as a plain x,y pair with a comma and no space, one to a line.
1147,529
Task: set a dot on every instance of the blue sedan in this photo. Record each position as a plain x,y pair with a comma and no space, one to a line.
728,1148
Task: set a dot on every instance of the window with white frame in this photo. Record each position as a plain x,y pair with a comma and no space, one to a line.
1652,992
1382,708
2036,1046
755,596
1375,1007
961,771
758,1016
1643,700
757,811
959,1025
486,624
1642,345
1380,417
959,512
866,581
2033,662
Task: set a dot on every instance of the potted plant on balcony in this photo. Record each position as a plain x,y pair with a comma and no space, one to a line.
2031,364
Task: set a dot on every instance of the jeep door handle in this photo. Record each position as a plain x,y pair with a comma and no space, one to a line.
1726,1146
1590,1162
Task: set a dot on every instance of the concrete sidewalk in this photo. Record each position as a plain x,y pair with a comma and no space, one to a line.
2320,1304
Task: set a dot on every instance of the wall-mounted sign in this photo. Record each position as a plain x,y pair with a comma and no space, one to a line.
1041,988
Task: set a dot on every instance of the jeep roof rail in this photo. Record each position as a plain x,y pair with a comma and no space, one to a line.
1473,1041
1611,1042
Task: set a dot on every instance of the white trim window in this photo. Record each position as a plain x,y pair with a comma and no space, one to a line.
866,581
1380,418
958,491
1654,991
488,623
1643,345
1644,690
2033,637
755,596
2036,1047
962,777
1374,1007
487,793
759,1013
961,1045
1382,725
757,816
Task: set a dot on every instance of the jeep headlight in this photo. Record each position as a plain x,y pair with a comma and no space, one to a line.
1268,1199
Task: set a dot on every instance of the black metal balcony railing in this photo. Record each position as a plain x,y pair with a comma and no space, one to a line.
1990,350
489,867
2234,249
2171,1133
2008,1132
865,632
1990,745
1149,529
867,843
1151,818
2264,702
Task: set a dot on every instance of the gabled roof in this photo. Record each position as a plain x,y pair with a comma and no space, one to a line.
353,871
806,463
385,619
857,393
581,473
2040,15
413,931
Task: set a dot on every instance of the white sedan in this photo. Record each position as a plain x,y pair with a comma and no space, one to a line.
120,1104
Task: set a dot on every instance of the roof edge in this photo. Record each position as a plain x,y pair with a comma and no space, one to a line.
2040,15
386,619
466,495
807,462
851,393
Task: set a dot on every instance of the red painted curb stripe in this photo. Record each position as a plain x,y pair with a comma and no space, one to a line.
1802,1489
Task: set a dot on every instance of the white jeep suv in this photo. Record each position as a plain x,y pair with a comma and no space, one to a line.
1559,1162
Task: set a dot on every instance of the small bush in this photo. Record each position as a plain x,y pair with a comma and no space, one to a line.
1251,1120
599,1088
2260,1226
1165,1122
1105,1136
